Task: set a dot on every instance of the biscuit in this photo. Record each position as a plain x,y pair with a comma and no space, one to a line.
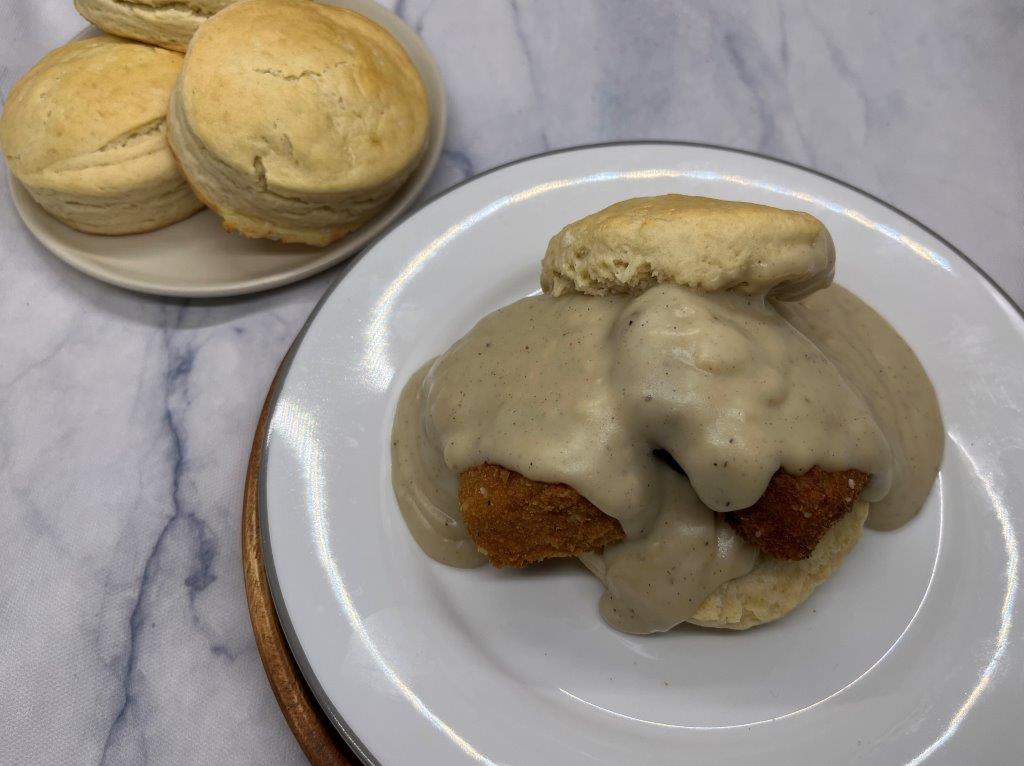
709,244
167,23
296,121
777,586
84,132
698,242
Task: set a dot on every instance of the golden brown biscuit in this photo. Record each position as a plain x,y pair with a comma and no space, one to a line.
167,23
84,130
296,121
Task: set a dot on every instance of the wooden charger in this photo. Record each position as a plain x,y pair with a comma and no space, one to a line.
317,737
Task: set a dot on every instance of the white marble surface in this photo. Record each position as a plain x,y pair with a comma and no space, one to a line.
125,421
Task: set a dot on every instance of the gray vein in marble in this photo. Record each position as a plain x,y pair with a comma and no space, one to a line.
784,59
768,139
136,619
524,44
842,66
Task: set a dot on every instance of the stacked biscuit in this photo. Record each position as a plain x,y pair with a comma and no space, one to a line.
167,23
710,245
291,120
296,121
90,143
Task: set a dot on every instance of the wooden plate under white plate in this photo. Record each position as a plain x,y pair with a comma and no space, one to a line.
909,654
196,257
317,737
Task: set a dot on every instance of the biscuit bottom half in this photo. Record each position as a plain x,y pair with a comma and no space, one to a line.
777,586
148,207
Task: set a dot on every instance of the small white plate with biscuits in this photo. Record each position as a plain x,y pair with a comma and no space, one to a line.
196,257
908,653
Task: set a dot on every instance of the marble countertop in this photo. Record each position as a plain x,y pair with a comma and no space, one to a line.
126,421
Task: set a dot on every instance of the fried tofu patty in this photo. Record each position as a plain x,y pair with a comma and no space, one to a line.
795,511
516,521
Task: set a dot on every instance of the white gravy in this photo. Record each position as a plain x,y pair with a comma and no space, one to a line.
582,390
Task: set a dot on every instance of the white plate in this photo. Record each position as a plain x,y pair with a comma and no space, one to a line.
196,257
912,651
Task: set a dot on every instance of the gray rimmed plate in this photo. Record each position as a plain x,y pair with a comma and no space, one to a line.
911,652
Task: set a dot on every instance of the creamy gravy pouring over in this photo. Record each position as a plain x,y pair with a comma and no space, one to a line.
582,390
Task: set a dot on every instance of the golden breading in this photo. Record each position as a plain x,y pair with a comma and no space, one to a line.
795,511
517,521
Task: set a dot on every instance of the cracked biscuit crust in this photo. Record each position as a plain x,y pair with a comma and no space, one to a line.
699,242
297,121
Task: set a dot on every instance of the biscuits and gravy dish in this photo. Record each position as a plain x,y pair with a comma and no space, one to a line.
691,408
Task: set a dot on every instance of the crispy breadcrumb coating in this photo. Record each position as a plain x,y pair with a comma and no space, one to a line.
516,521
796,511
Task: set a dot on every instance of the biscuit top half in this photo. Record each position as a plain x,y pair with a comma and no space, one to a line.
313,97
698,242
89,111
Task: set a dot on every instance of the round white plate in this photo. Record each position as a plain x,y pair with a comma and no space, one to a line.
913,651
196,257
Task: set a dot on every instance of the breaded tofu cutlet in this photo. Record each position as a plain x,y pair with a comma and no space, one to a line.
795,511
516,521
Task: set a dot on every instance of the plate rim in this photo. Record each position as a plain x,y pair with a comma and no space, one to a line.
346,731
417,182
